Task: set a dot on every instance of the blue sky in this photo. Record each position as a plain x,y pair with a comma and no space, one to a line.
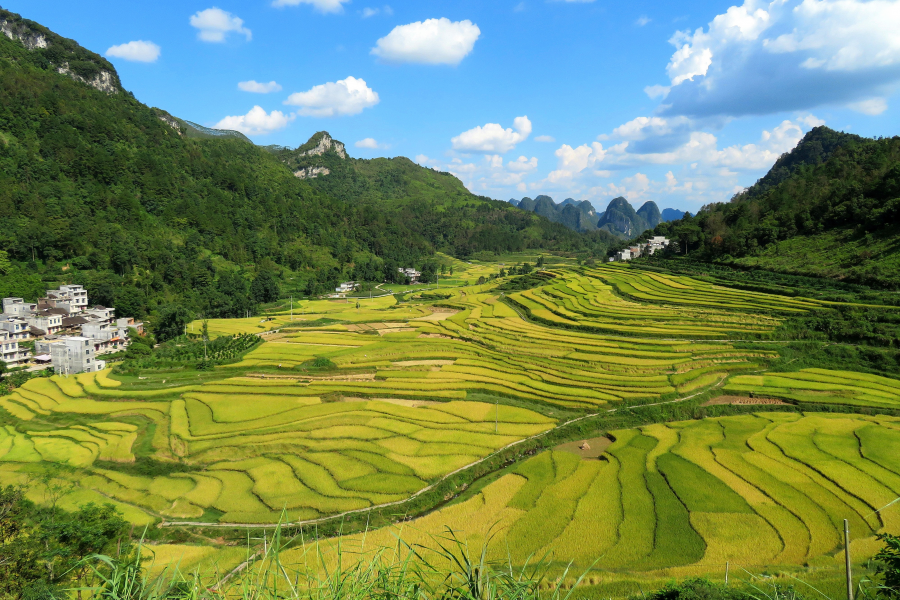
683,103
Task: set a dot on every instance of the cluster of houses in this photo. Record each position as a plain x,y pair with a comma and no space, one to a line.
352,286
655,243
66,333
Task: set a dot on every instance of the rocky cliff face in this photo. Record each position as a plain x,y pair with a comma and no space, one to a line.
324,144
64,56
320,156
311,172
30,39
102,81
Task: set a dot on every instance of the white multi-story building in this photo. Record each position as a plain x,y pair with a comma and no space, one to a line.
100,314
347,286
17,307
47,321
16,327
74,297
10,352
70,355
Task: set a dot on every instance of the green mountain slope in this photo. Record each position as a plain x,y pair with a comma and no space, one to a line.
99,189
621,220
830,207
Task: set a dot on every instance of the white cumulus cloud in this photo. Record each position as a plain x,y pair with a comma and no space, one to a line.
431,42
335,99
259,88
492,137
522,164
137,51
370,143
256,122
325,6
765,57
214,24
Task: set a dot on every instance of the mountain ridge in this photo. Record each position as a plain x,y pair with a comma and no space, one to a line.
147,210
623,222
830,207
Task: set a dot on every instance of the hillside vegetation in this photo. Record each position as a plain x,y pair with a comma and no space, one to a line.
830,207
145,209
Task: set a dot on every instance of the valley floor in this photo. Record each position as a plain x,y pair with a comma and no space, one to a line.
351,419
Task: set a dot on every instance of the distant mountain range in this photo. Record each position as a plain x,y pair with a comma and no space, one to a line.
619,219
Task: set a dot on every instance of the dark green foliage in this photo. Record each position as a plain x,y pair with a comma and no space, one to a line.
321,363
832,185
264,288
888,559
171,322
525,282
98,189
698,589
184,351
44,549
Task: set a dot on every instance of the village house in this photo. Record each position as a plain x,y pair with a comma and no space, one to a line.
17,307
52,322
648,249
10,352
75,354
72,298
345,287
411,273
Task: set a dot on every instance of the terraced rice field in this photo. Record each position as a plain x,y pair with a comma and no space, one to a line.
820,386
248,448
486,346
761,489
395,408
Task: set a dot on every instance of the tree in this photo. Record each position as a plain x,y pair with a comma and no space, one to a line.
171,322
130,302
540,262
889,563
264,288
5,265
3,368
42,549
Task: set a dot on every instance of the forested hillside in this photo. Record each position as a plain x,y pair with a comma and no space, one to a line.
99,189
830,207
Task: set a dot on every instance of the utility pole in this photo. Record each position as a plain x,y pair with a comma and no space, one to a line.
847,559
727,565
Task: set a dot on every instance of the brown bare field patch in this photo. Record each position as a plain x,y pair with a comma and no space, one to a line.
435,335
395,330
592,448
744,400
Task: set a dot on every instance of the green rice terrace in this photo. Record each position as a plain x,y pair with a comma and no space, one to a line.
678,437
